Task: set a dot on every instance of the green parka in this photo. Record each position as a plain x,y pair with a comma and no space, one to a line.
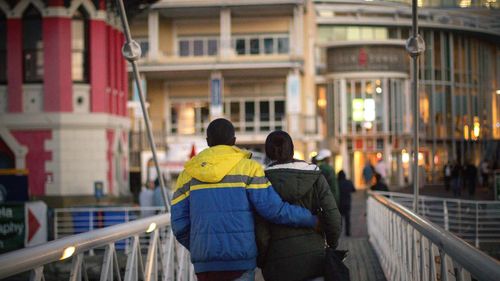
287,253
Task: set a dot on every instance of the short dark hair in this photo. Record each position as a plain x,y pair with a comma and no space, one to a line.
341,175
279,147
220,132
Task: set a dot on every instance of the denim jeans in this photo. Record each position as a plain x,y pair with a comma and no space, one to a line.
247,276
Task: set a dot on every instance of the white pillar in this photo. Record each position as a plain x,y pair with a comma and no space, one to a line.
225,33
153,27
297,38
293,101
343,107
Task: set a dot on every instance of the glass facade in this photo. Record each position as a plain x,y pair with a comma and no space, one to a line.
458,79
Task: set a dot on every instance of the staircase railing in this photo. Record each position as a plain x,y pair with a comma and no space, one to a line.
410,247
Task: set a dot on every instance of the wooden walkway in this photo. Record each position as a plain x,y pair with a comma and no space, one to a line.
362,260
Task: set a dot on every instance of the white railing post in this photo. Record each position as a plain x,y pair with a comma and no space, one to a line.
477,227
445,216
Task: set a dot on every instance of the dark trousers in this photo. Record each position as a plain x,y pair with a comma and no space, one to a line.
346,218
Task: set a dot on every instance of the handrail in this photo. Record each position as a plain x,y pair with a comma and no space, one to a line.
421,197
476,262
32,257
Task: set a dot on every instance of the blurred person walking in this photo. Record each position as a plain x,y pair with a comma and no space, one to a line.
346,188
447,175
323,162
368,172
146,199
285,253
470,177
485,173
381,169
379,184
456,180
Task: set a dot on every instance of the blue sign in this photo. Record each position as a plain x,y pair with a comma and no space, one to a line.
216,92
98,190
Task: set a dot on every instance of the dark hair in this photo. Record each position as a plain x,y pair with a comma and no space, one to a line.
279,147
341,175
220,132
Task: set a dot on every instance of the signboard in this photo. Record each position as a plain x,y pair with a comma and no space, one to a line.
22,225
367,58
216,96
98,190
13,188
12,227
363,110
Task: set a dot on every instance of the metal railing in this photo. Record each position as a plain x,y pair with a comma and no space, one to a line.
164,258
477,222
410,247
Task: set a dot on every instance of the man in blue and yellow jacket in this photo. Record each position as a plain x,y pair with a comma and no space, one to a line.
214,203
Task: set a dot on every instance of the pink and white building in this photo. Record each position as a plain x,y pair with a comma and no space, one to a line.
63,96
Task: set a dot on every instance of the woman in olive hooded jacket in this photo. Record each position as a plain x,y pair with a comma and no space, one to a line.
296,254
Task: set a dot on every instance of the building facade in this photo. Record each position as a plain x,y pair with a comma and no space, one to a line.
363,72
63,95
248,61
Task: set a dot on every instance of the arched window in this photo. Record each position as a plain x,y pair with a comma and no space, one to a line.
79,46
3,49
32,45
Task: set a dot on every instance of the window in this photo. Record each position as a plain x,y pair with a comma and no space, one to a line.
184,48
240,46
198,46
3,49
79,46
261,44
32,46
144,43
283,45
254,46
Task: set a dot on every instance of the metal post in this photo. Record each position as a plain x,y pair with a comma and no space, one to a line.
132,51
415,46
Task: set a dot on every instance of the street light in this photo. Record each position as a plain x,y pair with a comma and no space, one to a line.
415,46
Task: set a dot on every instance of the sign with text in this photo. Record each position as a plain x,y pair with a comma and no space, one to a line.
12,227
367,58
216,95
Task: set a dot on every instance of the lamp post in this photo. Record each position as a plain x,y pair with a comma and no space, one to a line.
132,52
415,46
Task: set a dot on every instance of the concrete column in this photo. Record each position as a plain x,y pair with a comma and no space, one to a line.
153,30
297,45
225,33
97,71
58,93
343,107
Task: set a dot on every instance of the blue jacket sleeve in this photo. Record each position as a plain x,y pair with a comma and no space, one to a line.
271,207
180,215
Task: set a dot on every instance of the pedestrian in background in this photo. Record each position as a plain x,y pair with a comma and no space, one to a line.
146,199
470,177
323,162
158,196
283,255
381,169
485,172
447,175
346,188
368,172
379,184
456,180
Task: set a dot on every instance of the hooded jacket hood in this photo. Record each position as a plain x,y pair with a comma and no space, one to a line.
293,180
214,163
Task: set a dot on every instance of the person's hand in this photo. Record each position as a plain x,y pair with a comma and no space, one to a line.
317,227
